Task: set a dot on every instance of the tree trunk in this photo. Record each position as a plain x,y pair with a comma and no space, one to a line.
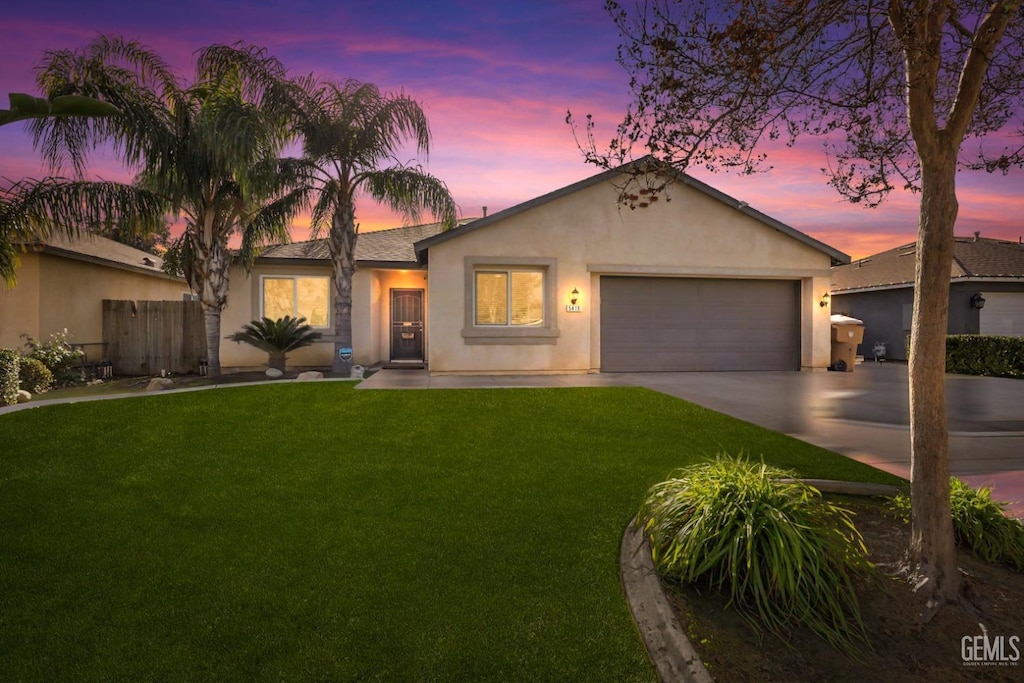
211,261
342,241
277,360
932,551
211,322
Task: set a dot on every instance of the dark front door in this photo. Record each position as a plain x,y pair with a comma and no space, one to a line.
407,324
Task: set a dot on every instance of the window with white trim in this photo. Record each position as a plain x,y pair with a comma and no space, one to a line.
509,298
295,296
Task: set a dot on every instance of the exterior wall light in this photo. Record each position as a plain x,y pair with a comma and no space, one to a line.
978,301
825,298
575,296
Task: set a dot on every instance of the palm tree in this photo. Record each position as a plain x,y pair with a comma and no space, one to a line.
348,135
210,150
277,337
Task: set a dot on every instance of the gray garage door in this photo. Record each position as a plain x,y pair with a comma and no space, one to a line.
690,324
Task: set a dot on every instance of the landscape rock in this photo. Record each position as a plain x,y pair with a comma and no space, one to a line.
24,396
274,373
160,384
309,376
357,372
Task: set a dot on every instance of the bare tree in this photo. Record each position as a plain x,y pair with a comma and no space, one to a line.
896,88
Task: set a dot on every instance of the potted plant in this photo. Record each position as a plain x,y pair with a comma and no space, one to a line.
277,337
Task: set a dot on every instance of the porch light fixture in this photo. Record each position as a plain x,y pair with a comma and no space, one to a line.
824,300
575,296
978,301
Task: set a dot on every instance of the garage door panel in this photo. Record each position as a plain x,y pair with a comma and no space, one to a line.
693,324
1003,314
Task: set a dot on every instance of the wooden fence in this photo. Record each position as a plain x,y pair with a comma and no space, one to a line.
145,337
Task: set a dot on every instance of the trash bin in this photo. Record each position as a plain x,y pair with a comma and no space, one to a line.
847,333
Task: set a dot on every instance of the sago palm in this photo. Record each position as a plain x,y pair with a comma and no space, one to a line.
210,150
277,337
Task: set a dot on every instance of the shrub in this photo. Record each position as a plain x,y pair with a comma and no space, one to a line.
980,524
776,548
33,376
975,354
277,337
9,362
59,357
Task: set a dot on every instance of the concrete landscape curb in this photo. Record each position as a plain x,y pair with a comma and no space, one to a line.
665,639
667,644
39,403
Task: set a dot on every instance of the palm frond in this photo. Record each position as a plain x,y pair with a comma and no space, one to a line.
277,336
329,198
34,210
408,190
123,73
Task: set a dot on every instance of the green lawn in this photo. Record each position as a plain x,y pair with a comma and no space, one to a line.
313,532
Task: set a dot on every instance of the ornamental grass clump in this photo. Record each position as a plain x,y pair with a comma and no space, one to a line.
780,552
980,524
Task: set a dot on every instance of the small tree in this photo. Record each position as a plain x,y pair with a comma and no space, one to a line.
277,337
896,88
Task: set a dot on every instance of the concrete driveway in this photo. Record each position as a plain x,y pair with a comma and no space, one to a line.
865,415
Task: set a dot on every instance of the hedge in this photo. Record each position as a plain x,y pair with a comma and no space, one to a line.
975,354
9,362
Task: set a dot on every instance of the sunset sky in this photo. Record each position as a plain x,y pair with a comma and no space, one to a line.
495,79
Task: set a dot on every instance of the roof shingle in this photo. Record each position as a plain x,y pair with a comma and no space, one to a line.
387,246
100,249
973,257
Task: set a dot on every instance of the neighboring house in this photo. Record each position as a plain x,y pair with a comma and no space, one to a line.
62,284
567,282
986,292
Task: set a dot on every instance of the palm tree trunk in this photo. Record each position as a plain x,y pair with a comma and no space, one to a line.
342,241
932,549
210,274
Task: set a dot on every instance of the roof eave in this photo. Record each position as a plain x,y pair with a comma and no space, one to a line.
109,263
837,257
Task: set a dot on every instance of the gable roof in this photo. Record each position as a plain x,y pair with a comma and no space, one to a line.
392,247
837,256
105,252
973,257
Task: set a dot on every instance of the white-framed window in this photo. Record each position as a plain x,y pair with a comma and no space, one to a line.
509,298
297,296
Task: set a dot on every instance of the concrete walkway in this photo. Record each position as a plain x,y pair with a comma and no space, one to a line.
863,414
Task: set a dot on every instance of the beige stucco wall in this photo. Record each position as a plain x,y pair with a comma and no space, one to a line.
589,235
244,306
371,311
54,293
19,307
378,332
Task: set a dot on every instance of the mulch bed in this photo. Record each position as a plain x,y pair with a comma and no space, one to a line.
901,647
